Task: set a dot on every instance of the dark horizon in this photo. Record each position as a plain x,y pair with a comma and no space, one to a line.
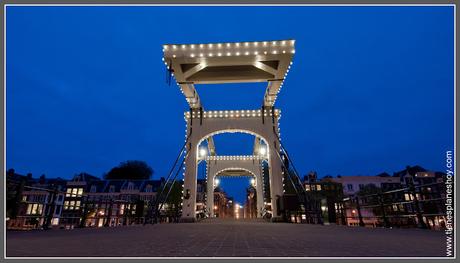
370,91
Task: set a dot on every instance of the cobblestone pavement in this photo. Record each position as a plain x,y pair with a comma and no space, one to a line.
227,239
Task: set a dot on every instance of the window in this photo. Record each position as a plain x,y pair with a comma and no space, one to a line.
307,187
361,186
34,209
93,189
55,221
24,198
69,191
148,188
66,205
112,189
130,186
80,192
29,209
350,187
122,209
407,197
77,205
58,210
60,197
74,192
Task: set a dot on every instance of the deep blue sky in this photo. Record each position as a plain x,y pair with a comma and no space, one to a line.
370,90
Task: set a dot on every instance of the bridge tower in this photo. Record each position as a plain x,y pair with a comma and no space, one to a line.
219,63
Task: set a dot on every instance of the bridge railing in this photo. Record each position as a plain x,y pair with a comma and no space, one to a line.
155,209
310,207
421,206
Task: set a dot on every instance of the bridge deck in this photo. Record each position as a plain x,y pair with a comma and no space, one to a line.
227,238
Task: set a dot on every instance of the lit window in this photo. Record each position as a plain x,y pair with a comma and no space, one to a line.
122,209
74,192
24,198
407,197
69,191
318,187
33,209
55,221
80,192
77,205
29,209
307,187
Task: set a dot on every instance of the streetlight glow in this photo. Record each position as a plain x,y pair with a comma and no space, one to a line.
203,152
262,150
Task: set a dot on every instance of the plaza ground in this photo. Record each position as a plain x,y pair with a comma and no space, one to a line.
230,238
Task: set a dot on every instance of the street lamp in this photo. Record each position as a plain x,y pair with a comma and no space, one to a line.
262,150
203,152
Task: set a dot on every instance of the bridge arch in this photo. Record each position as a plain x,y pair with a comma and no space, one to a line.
201,125
253,168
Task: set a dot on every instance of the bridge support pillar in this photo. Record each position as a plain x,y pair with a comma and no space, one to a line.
210,195
259,195
276,181
189,189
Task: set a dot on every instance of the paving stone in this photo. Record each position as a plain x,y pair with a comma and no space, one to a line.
225,238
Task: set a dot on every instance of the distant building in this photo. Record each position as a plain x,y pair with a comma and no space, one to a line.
40,204
73,201
396,200
250,206
119,202
327,193
353,184
222,204
201,210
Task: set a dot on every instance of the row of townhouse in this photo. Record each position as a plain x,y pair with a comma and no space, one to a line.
32,202
405,198
86,201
